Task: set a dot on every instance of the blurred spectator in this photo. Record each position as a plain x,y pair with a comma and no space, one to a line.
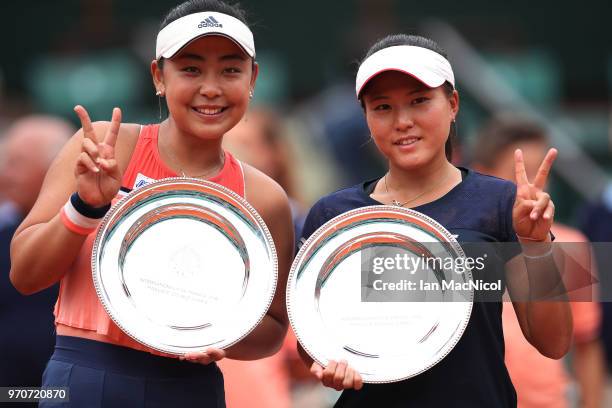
333,116
595,219
281,380
539,381
27,337
260,141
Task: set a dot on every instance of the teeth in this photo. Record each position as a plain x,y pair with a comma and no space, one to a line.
209,111
405,142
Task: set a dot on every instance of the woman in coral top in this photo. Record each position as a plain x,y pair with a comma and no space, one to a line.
206,73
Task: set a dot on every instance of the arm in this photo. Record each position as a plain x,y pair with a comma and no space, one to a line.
272,204
42,248
547,325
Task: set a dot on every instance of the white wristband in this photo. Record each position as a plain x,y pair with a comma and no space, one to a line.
81,218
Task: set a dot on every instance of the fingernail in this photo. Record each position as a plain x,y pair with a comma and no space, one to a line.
96,170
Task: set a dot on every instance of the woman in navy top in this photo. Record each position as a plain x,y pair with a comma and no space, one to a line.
407,90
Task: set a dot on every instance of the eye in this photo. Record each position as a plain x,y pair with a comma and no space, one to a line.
382,107
191,70
232,70
419,100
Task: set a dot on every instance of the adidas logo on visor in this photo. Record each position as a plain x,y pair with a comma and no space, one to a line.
210,22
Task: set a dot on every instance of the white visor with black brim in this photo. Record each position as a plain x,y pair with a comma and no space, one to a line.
429,67
184,30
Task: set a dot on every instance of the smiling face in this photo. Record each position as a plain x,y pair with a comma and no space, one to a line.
409,122
206,86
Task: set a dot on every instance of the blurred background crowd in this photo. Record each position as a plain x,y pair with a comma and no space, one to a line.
529,74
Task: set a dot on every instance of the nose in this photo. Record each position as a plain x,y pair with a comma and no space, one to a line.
403,120
210,87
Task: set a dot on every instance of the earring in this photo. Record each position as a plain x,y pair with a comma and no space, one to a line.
251,94
160,94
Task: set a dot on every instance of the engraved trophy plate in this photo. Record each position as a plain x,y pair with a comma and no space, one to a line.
386,336
182,264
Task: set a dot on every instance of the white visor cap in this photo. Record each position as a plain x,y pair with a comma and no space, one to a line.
426,65
182,31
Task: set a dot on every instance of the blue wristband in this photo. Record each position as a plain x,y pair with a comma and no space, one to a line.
87,210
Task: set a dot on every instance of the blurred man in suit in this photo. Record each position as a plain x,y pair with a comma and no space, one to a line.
27,337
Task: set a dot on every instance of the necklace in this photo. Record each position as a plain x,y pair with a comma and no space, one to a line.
398,204
209,173
176,164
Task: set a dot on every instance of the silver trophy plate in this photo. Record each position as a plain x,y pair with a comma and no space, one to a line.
182,265
388,335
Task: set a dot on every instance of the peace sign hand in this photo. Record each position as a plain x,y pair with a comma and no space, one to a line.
533,212
97,173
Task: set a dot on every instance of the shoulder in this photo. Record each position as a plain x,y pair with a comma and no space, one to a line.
342,200
126,139
127,131
487,192
265,194
480,203
332,205
490,184
128,134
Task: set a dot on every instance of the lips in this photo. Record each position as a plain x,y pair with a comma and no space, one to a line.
406,141
209,110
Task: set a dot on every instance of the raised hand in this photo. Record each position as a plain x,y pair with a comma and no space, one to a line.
97,173
204,357
337,375
533,212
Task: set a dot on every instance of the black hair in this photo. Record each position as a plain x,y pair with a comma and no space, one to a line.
198,6
501,133
423,42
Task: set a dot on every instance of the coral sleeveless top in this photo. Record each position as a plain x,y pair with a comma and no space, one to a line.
78,304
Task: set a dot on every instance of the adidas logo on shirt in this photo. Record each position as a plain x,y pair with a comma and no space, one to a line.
210,22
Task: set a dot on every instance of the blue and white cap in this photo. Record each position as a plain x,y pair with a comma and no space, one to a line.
186,29
426,65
